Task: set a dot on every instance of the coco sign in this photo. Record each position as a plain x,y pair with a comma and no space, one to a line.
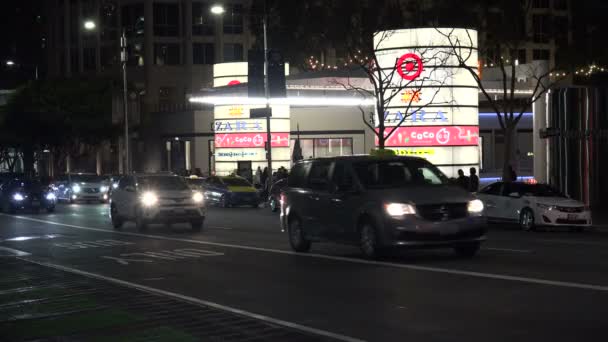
244,140
433,136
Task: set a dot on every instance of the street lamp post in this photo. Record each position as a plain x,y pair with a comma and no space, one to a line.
90,25
219,10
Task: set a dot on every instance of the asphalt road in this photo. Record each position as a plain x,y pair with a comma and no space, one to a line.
544,286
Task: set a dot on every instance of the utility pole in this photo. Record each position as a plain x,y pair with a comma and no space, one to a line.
267,96
123,59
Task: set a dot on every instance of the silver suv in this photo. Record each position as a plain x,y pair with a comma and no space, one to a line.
156,198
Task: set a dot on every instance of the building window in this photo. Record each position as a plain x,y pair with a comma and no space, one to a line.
88,55
521,56
202,21
166,54
233,19
233,52
540,4
561,5
324,147
166,20
540,25
202,53
133,20
540,54
166,97
561,27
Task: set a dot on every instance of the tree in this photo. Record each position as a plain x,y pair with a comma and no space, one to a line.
67,117
401,88
501,50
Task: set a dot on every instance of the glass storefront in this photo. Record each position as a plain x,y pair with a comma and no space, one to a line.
324,147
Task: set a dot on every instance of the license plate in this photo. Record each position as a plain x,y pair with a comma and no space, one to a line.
572,217
179,211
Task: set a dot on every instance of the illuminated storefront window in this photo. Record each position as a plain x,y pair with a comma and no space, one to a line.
324,147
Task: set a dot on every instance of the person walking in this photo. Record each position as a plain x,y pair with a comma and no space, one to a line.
462,180
257,178
473,180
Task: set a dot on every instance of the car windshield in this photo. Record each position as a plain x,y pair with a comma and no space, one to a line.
29,185
163,183
87,178
195,181
233,181
540,190
397,173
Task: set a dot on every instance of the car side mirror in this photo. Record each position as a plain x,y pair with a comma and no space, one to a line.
515,195
129,188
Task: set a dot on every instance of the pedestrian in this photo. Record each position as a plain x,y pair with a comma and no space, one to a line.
257,179
462,180
264,177
473,180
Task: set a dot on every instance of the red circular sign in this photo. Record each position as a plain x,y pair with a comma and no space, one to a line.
409,66
233,82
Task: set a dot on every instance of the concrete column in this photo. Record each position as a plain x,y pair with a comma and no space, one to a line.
68,164
98,160
120,154
187,8
66,38
541,118
97,17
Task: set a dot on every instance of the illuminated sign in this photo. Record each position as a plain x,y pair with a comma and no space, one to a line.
236,111
433,136
409,66
248,140
238,126
411,96
414,152
421,115
253,154
233,83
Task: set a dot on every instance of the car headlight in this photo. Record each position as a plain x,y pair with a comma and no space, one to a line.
197,197
18,197
545,206
50,197
115,185
475,206
399,209
104,188
149,199
76,188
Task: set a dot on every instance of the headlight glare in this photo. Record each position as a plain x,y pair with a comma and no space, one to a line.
399,209
18,197
104,188
475,206
197,197
50,197
149,199
76,188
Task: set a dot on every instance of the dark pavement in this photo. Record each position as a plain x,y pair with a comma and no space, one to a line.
545,286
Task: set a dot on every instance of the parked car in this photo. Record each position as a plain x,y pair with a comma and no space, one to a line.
379,203
156,198
231,191
24,194
533,205
274,197
88,187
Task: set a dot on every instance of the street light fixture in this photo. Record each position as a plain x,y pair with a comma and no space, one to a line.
10,63
90,25
219,10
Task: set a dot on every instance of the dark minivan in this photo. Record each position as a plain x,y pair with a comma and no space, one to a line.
379,203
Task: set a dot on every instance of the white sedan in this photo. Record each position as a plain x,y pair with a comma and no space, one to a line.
533,205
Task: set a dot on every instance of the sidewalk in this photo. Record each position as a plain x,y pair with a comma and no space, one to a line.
43,303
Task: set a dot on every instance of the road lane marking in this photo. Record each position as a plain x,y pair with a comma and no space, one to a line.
92,244
507,250
569,242
12,252
198,301
221,228
495,276
167,255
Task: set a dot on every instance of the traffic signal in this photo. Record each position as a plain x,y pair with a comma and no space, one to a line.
255,73
276,74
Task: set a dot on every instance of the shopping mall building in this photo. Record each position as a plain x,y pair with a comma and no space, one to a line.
455,130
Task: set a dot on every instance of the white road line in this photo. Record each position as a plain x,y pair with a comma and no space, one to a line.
345,259
214,227
570,242
507,250
197,301
13,252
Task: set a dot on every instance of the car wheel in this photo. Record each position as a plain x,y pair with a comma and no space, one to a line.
116,221
197,225
273,204
526,220
368,241
297,240
467,250
50,209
